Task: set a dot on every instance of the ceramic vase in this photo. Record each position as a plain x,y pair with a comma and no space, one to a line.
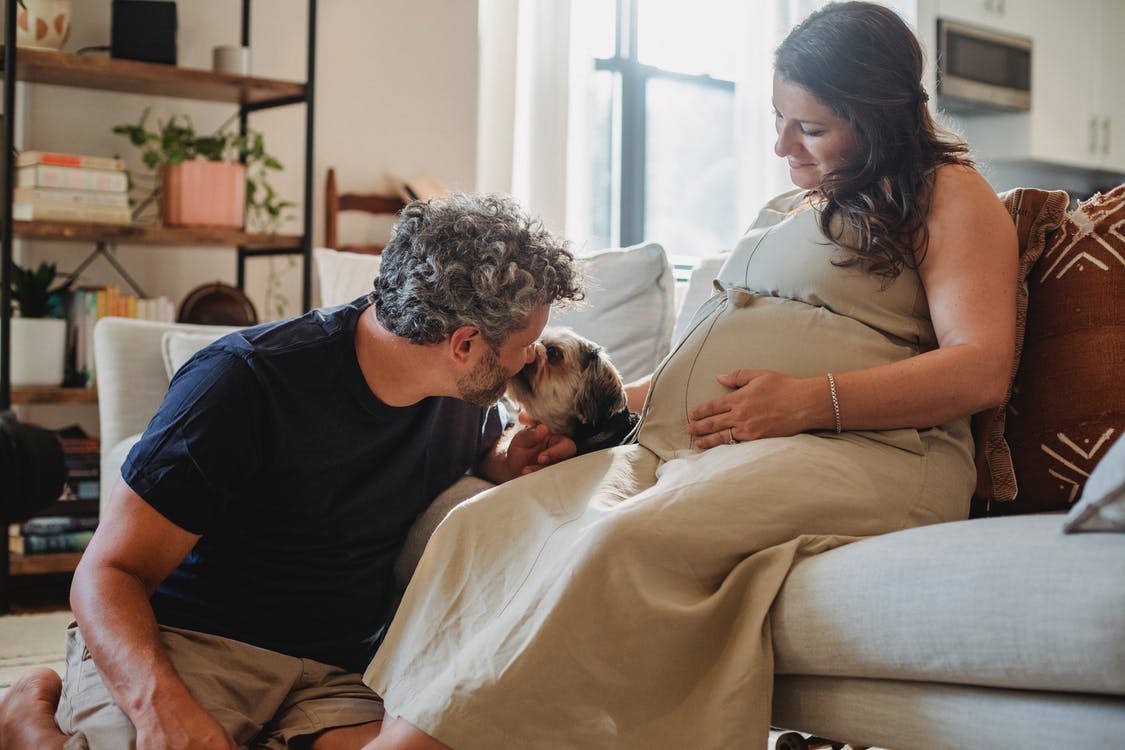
203,194
44,24
38,351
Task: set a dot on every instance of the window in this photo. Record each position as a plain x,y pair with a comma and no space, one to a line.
657,158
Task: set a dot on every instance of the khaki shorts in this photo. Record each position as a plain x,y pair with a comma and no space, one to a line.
263,698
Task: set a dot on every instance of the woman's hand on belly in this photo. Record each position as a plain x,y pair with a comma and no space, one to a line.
761,404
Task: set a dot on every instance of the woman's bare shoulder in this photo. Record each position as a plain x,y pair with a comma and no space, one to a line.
960,190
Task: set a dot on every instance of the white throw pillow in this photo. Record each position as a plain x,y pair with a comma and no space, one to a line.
1102,505
179,346
629,307
344,276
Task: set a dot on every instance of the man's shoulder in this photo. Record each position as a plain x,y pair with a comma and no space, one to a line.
321,327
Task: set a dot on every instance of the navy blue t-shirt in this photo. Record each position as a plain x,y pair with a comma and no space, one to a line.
301,482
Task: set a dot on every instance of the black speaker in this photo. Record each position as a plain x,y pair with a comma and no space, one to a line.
144,30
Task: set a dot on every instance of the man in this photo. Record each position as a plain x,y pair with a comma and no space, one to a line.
241,576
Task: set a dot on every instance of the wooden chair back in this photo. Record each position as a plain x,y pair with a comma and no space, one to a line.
372,203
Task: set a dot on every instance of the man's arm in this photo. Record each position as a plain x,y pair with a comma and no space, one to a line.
133,550
522,450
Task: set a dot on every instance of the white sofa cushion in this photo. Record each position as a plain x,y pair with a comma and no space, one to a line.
344,276
1007,602
132,380
1102,505
177,347
701,285
629,307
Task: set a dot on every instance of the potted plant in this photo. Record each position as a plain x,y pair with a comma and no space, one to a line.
38,347
200,180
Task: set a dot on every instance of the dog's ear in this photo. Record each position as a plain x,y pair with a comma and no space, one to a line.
602,393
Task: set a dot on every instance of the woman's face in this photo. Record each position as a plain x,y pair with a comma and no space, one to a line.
810,136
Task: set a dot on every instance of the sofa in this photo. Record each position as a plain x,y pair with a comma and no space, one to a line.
999,631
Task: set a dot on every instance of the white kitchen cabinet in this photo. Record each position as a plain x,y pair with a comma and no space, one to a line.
1003,15
1077,115
1110,95
1064,51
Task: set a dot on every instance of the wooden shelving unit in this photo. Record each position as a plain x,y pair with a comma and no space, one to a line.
84,231
149,79
46,395
248,93
52,562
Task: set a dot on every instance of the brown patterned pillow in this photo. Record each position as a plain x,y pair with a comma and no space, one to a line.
1068,404
1037,213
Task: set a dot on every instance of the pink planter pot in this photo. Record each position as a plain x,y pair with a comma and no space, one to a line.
204,194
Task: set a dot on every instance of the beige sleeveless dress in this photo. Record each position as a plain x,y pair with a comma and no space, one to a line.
621,598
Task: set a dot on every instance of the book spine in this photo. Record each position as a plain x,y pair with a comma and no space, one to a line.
39,211
55,159
71,178
48,525
66,197
36,544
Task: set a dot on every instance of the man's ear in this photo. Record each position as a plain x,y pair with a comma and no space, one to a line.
462,341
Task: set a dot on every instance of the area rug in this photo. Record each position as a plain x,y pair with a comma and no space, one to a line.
37,640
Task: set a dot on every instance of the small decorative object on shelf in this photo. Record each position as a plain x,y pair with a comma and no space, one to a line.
43,23
38,346
199,179
70,187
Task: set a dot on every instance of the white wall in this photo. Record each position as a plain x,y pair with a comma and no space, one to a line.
396,91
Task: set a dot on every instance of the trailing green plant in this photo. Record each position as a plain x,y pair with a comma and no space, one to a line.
176,141
31,290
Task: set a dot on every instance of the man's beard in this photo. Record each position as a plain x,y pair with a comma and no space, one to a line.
486,383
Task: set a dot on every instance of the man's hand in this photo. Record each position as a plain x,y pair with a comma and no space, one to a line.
183,726
523,450
534,447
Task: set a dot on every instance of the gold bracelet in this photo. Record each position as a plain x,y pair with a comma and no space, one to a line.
835,402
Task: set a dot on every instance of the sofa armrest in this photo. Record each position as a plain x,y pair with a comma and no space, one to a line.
131,380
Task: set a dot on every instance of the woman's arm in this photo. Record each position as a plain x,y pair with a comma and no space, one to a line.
636,393
969,273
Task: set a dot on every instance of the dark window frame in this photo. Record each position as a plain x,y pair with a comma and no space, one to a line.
634,77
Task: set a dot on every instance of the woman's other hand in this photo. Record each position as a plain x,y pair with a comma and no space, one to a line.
762,403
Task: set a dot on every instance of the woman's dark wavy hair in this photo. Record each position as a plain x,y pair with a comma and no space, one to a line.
469,259
863,62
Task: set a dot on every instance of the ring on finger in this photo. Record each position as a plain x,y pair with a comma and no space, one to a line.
730,434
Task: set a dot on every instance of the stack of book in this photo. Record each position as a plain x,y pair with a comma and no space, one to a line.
46,534
82,457
70,187
85,307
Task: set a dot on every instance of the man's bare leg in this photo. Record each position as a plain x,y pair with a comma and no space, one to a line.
27,712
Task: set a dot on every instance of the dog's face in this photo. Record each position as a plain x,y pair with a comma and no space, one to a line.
571,382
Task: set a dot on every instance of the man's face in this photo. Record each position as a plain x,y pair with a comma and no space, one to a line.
486,382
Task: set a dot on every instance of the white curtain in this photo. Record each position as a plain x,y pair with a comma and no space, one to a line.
524,103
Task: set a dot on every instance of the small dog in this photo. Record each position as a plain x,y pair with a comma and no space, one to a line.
574,390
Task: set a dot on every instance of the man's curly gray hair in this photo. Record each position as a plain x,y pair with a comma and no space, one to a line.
473,260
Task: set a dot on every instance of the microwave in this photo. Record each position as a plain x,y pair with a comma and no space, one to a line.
981,70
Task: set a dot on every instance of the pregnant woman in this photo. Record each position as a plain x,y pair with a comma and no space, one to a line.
823,394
